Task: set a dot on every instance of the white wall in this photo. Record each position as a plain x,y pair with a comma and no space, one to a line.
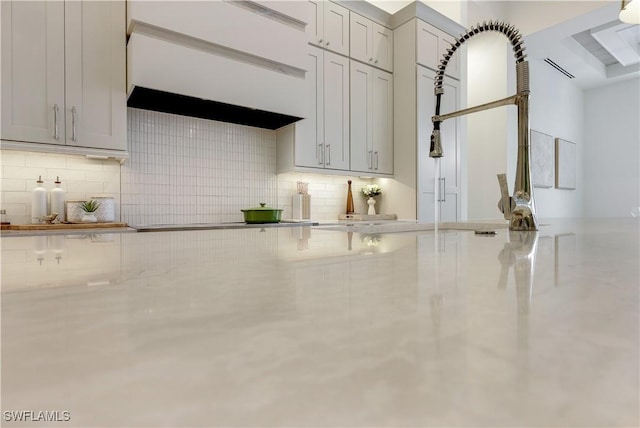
612,150
557,109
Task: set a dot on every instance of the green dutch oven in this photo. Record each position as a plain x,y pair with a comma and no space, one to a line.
262,214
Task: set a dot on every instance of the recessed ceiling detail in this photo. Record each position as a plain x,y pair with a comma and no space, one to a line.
594,48
612,43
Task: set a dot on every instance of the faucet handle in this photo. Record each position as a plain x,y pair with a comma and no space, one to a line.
506,203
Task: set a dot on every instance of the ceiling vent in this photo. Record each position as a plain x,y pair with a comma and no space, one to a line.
560,69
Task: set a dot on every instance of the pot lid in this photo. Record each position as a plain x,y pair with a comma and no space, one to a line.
262,207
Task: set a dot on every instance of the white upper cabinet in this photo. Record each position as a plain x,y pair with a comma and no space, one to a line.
336,111
322,139
95,74
370,42
33,72
371,119
63,73
432,44
328,26
309,132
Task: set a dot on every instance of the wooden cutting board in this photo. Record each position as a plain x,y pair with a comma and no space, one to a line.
62,226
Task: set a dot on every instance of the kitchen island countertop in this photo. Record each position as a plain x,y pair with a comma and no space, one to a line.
307,326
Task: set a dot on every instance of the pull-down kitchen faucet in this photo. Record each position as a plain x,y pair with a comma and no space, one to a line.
519,209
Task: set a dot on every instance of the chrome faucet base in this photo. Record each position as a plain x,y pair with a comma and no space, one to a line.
523,219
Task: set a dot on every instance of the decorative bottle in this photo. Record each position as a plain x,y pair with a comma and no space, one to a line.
38,202
56,199
350,209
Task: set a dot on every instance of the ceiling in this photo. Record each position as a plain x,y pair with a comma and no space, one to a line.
595,47
585,38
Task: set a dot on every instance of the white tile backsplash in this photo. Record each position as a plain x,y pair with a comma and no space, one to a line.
186,170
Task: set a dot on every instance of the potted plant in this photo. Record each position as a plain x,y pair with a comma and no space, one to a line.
89,207
371,190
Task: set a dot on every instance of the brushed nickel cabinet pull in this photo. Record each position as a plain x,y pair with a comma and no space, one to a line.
56,136
74,137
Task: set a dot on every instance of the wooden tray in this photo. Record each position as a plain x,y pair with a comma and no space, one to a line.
62,226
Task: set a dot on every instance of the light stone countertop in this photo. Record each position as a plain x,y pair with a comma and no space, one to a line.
306,326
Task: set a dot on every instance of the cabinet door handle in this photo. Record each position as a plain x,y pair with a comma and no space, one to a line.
375,62
370,160
320,41
376,158
328,154
320,155
370,59
443,182
74,137
56,136
326,44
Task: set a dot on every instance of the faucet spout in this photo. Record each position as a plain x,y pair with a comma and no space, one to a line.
520,209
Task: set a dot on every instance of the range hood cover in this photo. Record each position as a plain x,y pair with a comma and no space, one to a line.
151,99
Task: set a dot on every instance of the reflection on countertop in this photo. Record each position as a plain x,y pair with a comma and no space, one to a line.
309,326
220,226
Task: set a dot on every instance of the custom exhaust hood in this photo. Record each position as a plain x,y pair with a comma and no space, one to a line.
186,58
166,102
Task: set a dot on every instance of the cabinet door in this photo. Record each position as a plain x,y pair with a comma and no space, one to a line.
371,43
336,111
316,22
432,44
335,32
426,207
449,206
361,117
33,71
427,44
309,131
371,119
360,38
382,121
382,47
95,74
